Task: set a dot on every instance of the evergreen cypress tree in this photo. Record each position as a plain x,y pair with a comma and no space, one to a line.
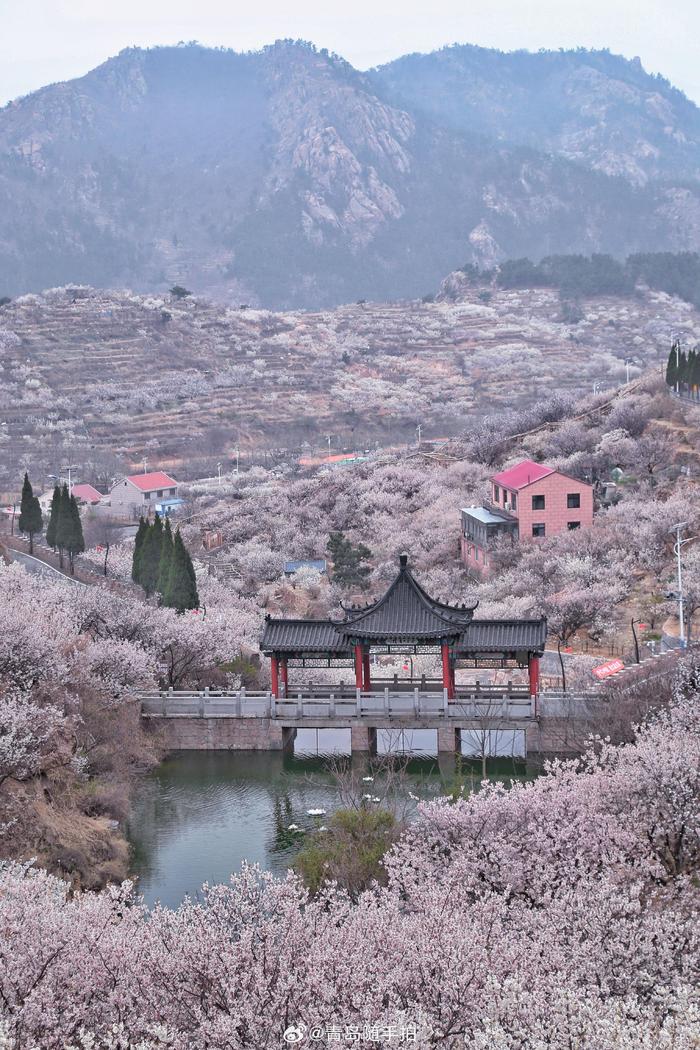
349,563
695,378
30,519
76,540
64,524
672,366
149,559
181,592
138,548
166,554
53,517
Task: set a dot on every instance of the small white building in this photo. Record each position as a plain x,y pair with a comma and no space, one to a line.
142,493
85,495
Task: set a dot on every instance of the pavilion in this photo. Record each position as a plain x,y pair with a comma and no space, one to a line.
404,620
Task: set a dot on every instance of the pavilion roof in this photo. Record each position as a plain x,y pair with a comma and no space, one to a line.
478,636
499,636
309,636
406,611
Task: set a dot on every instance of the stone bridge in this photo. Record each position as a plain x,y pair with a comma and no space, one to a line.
251,720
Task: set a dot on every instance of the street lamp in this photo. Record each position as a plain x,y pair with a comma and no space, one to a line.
679,569
71,466
636,641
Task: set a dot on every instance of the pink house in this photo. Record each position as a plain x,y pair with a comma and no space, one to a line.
528,501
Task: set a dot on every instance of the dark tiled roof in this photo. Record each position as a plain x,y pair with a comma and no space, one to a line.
302,636
406,611
404,614
503,636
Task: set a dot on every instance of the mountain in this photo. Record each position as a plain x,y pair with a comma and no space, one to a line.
287,178
591,107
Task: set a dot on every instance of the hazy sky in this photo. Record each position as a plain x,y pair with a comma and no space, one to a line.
47,40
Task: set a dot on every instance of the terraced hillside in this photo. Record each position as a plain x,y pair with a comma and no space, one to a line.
106,376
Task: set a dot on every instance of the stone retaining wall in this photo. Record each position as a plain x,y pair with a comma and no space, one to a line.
219,734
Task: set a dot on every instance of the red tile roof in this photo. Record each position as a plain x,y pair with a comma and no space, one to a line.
157,479
522,474
86,493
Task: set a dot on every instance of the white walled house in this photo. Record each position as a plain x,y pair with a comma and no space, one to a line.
86,495
143,494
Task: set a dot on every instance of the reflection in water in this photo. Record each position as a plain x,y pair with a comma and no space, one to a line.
200,814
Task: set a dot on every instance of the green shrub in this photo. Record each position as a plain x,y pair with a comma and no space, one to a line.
350,851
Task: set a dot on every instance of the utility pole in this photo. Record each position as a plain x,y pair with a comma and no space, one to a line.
144,464
218,467
679,569
329,446
238,453
419,427
678,365
627,367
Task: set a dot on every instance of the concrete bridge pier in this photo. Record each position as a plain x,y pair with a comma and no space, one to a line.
449,740
447,764
363,739
289,735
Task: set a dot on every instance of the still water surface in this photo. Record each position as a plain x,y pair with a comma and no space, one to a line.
200,814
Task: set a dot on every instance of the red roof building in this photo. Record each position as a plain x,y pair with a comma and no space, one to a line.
528,501
521,475
157,479
85,493
142,493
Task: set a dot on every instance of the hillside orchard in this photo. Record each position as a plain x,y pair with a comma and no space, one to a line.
187,381
560,913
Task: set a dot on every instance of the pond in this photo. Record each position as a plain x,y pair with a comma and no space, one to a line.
200,814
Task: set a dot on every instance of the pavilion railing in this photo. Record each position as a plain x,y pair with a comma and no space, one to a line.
211,703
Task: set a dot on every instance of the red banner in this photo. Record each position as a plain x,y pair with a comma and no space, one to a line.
608,668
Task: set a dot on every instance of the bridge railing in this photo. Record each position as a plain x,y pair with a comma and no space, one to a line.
302,707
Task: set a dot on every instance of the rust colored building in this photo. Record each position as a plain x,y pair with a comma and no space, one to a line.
527,502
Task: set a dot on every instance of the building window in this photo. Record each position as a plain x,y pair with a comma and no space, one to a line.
538,530
513,501
573,525
573,500
159,493
538,502
496,494
147,495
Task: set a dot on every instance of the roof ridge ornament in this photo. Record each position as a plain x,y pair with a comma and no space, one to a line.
403,561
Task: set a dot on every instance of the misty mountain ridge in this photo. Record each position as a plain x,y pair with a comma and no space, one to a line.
288,178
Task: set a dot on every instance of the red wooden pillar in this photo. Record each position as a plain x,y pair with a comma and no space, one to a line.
274,677
366,671
358,667
285,678
533,669
447,680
